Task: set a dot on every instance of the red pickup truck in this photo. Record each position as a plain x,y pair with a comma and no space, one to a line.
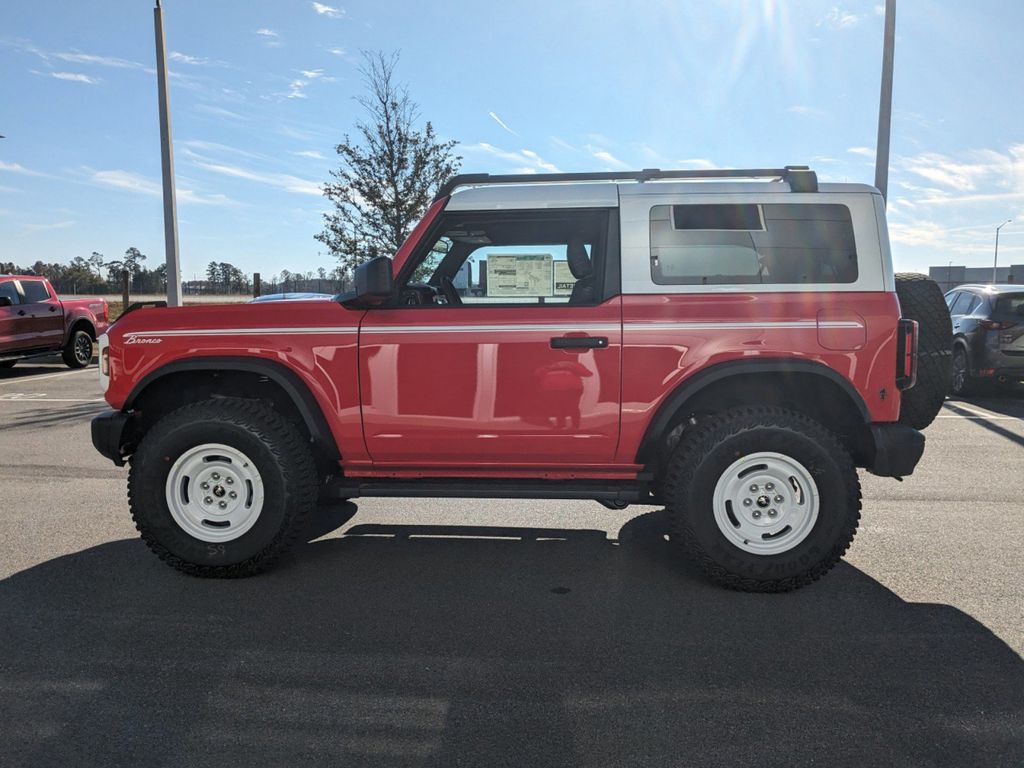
730,348
33,321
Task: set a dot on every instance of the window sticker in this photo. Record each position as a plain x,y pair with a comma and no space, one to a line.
520,274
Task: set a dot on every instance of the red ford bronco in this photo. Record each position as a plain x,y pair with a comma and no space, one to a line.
729,344
33,321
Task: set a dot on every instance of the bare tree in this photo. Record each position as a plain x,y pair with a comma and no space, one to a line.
388,175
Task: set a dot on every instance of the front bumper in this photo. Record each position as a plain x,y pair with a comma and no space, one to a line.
898,448
108,435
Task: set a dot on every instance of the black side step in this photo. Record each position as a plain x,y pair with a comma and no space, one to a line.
623,492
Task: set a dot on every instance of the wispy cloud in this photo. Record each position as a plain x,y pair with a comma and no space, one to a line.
862,152
103,61
803,109
337,51
195,61
264,32
524,161
311,74
328,11
210,109
42,227
838,18
311,153
501,122
75,77
283,181
133,182
19,169
606,157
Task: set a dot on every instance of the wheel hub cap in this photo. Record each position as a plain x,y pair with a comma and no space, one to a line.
766,503
214,492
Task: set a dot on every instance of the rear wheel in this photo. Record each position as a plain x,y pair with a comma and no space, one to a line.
78,351
8,364
962,384
222,488
921,300
763,499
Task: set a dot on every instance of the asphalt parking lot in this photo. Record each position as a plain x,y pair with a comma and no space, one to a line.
443,633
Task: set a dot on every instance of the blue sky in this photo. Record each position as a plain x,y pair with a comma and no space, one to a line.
262,91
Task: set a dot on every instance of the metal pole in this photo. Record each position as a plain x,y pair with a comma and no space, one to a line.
885,103
995,263
167,164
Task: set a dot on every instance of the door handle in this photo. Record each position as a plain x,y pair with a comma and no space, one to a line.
579,342
53,308
21,312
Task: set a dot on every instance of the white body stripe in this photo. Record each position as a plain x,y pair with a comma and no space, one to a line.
509,328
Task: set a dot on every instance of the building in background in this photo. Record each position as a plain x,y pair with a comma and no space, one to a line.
950,276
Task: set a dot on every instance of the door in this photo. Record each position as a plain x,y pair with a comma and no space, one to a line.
16,332
506,356
45,310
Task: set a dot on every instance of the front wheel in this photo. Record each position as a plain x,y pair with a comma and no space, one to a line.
221,488
78,351
763,499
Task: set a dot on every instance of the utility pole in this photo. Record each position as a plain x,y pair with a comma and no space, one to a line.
885,102
995,263
167,164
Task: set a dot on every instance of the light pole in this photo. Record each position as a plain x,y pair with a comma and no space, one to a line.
995,263
167,165
949,280
885,101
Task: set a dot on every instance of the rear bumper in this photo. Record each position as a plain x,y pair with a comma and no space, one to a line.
108,433
898,448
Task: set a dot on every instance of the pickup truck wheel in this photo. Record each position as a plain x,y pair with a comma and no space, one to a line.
221,488
762,499
78,351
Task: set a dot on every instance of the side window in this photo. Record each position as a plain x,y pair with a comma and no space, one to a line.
961,304
744,243
529,258
35,291
975,303
950,298
7,289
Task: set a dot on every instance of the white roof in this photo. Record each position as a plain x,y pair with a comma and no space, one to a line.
606,194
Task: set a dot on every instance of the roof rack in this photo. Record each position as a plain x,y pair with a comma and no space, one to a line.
800,177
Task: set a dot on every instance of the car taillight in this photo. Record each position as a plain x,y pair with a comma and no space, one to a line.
105,362
906,354
993,325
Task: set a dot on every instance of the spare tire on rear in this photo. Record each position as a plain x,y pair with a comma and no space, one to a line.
921,300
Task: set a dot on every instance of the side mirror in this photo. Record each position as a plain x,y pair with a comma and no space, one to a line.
374,283
5,301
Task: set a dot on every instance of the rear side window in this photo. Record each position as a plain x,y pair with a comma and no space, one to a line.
730,244
35,291
950,298
1010,304
7,289
961,304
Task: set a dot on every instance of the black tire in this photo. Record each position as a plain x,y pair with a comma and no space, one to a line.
921,300
77,352
702,458
279,453
8,364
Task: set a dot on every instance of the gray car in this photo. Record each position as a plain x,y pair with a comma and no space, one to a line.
988,336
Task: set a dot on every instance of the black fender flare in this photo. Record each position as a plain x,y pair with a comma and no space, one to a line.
716,373
289,381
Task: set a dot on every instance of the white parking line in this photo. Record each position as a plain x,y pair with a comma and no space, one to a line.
33,379
974,409
35,400
978,418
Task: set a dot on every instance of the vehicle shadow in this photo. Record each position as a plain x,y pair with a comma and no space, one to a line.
442,646
34,418
26,369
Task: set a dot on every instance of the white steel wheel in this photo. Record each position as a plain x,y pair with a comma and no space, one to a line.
766,503
214,493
